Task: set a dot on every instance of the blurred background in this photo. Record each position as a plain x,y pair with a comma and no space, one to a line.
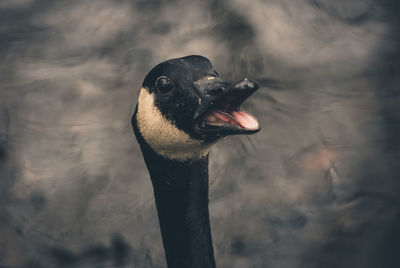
317,187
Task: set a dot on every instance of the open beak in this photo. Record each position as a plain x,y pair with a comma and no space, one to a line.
219,109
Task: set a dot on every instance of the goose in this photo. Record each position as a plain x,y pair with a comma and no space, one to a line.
182,110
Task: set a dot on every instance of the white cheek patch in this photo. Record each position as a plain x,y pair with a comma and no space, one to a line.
164,137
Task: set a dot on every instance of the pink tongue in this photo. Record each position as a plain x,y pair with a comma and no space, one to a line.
217,117
245,120
241,118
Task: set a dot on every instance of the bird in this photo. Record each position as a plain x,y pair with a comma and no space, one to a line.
183,109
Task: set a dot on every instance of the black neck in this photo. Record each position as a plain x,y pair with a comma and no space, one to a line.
181,195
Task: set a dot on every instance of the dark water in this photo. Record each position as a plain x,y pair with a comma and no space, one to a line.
318,187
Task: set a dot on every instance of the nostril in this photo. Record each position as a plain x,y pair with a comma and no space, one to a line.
215,90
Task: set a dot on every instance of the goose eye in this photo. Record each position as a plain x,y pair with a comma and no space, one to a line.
164,85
